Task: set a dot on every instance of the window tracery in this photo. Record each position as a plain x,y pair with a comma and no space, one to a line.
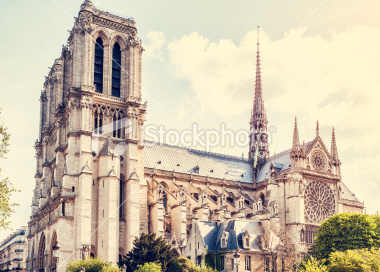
319,202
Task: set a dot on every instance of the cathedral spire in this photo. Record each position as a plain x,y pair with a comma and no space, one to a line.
258,106
258,148
296,138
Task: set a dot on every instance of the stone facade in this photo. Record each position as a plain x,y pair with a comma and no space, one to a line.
99,185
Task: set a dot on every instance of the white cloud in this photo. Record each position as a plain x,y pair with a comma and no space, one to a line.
154,48
334,80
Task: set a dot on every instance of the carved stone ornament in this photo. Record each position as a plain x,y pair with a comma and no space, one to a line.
83,23
85,251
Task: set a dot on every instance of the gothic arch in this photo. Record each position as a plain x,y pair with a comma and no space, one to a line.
165,185
93,253
101,33
41,253
120,40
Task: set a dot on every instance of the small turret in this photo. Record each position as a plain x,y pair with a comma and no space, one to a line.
296,138
297,154
334,154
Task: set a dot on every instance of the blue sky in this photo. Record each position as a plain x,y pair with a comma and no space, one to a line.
320,62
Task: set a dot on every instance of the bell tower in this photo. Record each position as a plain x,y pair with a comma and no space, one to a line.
258,147
89,151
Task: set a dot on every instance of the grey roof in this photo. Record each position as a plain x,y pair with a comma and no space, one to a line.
347,194
209,232
281,161
235,230
184,160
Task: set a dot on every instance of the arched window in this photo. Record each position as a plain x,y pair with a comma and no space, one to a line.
116,70
114,125
165,200
116,122
100,123
262,198
98,65
63,208
96,124
41,254
118,126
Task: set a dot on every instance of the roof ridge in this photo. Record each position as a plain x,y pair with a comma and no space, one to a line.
285,151
279,154
199,151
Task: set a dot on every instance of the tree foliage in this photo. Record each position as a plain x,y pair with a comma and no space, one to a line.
359,260
312,265
147,249
149,267
185,265
91,265
6,187
346,231
4,140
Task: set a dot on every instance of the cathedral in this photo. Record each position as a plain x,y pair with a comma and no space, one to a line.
91,199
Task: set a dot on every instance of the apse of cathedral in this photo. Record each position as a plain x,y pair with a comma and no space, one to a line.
93,200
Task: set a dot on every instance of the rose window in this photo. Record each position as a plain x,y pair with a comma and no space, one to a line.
319,202
318,161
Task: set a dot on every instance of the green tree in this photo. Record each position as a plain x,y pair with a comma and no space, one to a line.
358,260
147,249
346,231
149,267
91,265
6,187
182,264
312,265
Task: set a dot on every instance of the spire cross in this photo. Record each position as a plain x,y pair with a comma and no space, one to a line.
258,36
258,106
317,128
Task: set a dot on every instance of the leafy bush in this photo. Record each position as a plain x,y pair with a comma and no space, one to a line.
310,264
355,260
91,265
149,267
